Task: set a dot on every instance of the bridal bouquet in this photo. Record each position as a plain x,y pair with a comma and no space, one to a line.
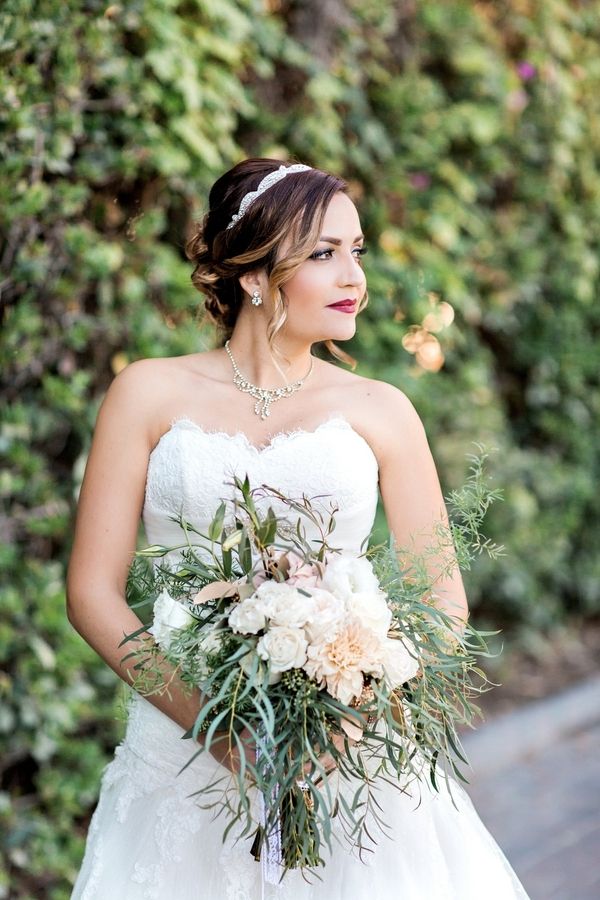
319,660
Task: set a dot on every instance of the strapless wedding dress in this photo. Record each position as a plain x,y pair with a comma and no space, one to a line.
148,838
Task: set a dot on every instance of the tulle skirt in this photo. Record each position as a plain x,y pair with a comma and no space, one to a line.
149,839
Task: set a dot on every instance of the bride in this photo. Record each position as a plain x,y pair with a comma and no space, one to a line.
278,258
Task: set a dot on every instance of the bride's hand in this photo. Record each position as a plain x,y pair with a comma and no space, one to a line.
327,760
226,752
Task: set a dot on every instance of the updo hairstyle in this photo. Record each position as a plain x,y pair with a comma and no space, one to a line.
293,208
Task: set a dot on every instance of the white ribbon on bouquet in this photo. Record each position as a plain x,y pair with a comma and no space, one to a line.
271,855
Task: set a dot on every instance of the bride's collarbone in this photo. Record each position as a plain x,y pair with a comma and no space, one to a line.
215,407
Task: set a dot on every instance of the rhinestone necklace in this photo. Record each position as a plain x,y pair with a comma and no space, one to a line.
264,396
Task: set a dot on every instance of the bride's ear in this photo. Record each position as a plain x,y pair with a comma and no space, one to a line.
253,281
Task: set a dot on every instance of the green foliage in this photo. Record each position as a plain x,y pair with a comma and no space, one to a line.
468,133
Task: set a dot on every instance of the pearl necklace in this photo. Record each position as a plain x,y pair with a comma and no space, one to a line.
264,396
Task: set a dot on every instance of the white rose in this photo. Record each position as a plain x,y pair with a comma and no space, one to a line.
284,605
169,615
346,574
284,648
398,664
372,610
248,617
327,617
270,590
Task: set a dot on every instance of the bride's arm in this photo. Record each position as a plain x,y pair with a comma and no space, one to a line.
108,514
412,496
109,509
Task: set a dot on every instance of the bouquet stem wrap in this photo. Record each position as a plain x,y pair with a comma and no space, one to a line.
271,853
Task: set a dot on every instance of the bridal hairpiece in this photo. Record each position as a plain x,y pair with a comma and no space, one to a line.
267,182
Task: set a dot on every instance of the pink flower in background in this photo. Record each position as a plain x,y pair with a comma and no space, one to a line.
516,101
420,181
526,70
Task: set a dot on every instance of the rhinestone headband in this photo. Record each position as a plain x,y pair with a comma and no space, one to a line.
267,182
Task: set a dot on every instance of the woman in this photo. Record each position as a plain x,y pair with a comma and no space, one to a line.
278,257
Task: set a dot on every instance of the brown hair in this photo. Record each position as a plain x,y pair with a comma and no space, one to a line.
294,206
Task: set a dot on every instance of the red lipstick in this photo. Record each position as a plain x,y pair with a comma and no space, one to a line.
347,306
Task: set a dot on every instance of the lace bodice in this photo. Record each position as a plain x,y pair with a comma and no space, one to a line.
191,470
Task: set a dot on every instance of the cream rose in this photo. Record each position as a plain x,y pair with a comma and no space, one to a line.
248,616
284,605
372,610
284,648
398,664
346,574
328,615
170,616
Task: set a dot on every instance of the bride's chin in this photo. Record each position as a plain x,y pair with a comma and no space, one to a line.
342,334
345,332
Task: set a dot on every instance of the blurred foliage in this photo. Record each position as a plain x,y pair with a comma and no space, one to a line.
469,133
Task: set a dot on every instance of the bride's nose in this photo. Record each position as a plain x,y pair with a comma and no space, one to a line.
351,272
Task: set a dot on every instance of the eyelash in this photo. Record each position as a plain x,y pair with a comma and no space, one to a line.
319,254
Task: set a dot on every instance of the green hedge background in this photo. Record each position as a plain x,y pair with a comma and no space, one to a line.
469,133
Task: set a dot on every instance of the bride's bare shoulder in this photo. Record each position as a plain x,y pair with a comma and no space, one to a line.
150,373
142,388
372,392
382,413
143,377
185,364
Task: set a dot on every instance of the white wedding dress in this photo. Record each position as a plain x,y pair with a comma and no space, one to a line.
149,839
